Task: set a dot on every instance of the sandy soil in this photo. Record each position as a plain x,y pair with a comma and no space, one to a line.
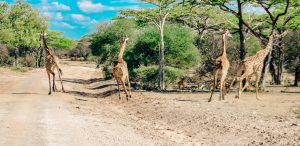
90,113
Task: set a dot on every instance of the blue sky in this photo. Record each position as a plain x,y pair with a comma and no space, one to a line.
79,17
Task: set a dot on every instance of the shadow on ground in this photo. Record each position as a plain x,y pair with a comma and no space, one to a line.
103,85
81,81
92,95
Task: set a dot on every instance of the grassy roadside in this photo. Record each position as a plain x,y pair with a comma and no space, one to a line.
297,112
20,69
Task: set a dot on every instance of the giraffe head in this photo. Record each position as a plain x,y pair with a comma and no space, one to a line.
227,33
124,39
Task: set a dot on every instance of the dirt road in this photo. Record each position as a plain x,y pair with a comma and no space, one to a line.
90,113
28,116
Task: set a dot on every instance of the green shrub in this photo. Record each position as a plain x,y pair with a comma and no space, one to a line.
27,61
148,77
107,70
297,112
18,69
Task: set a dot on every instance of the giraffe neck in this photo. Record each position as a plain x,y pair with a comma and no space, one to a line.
224,45
44,45
270,44
121,52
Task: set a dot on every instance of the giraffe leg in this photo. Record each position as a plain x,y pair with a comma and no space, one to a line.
224,90
246,86
248,82
222,85
49,78
124,86
240,80
215,74
54,86
118,83
62,86
129,86
231,84
256,85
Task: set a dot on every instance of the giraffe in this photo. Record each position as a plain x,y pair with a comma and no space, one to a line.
51,63
221,63
120,70
253,65
182,83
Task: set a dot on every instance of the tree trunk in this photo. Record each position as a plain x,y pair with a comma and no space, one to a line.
276,64
265,70
41,54
162,60
273,68
241,34
297,75
280,63
16,53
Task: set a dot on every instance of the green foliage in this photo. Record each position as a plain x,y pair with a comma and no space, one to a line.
297,112
149,76
107,70
18,69
27,61
252,45
58,41
180,51
82,49
20,26
4,55
105,42
292,50
26,24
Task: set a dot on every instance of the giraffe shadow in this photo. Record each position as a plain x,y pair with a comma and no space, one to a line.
81,81
103,86
93,95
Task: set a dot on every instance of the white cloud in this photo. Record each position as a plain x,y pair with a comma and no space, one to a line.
67,25
59,6
83,20
58,16
55,16
64,25
90,7
94,21
80,17
133,7
55,6
127,1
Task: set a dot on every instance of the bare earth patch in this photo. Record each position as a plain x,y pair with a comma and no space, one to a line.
91,113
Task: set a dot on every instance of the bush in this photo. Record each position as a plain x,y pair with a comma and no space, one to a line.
18,69
28,61
107,70
4,55
148,77
180,51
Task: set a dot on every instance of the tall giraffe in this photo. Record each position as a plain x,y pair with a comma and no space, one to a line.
51,63
253,66
120,70
221,63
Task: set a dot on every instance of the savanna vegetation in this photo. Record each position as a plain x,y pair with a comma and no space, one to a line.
19,35
171,40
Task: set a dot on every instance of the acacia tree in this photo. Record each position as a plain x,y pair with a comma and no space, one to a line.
228,6
274,9
25,23
158,16
292,54
290,21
